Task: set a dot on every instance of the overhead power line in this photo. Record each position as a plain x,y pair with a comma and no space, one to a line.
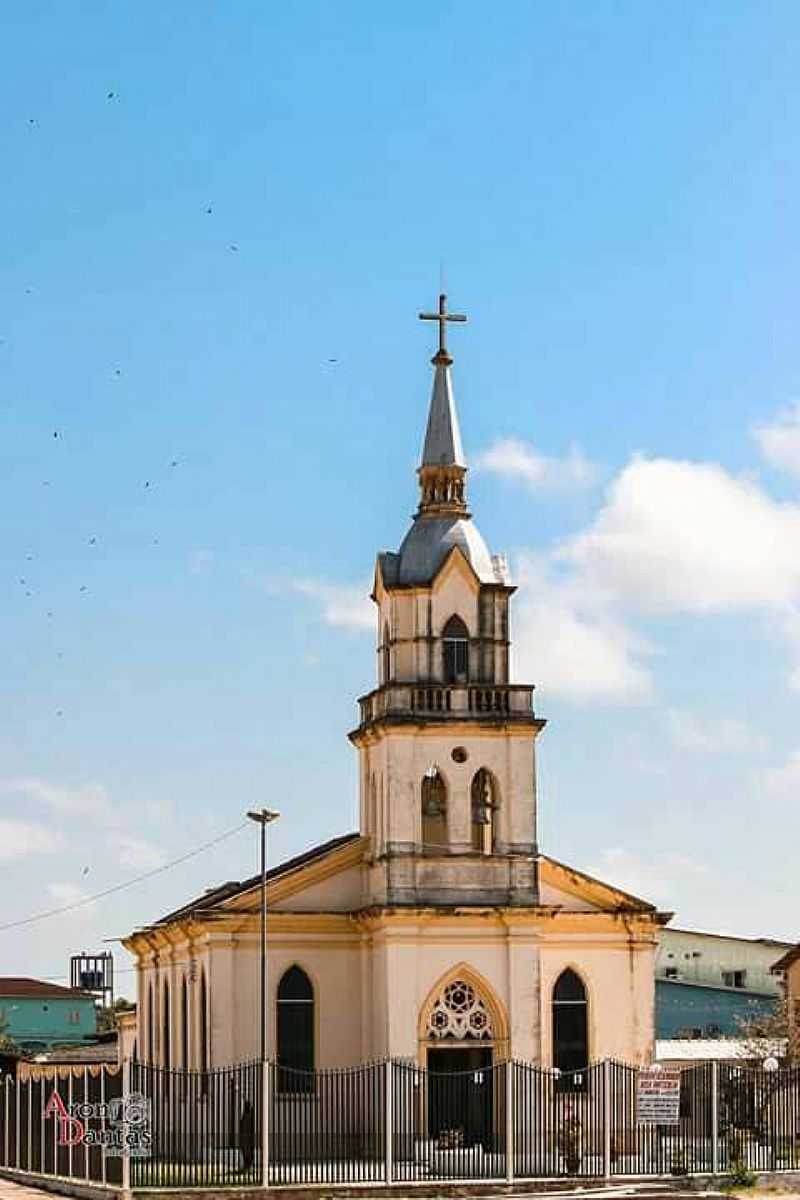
119,887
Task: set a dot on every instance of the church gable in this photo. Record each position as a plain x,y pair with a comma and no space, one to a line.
331,882
574,891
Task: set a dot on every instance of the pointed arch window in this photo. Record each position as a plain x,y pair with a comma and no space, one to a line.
484,802
455,640
571,1030
434,809
295,1029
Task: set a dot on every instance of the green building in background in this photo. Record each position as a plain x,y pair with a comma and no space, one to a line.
37,1014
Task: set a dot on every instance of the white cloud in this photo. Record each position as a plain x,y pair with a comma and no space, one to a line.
22,839
779,439
690,537
703,733
137,853
515,459
662,878
343,606
573,646
784,781
86,800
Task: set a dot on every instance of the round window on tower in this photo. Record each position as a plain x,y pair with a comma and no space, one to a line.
459,755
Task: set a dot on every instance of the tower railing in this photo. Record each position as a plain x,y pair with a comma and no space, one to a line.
504,701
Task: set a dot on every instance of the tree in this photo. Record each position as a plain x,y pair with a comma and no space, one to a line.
107,1017
7,1043
771,1034
749,1095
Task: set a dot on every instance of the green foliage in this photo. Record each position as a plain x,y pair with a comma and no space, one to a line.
106,1017
7,1043
678,1164
739,1176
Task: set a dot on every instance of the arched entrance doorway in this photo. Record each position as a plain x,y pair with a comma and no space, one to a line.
460,1035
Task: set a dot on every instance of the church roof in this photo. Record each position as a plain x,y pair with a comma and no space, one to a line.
442,445
428,543
215,896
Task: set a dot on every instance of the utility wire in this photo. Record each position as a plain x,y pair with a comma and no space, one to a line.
119,887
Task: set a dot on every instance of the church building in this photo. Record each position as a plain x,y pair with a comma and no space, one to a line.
439,932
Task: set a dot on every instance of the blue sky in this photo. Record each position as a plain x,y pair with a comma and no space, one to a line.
202,206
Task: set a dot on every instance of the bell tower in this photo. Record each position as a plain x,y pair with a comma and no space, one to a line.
446,743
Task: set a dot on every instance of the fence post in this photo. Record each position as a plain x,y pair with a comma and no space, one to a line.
715,1117
510,1120
86,1101
5,1120
103,1164
266,1101
126,1158
606,1118
388,1107
17,1089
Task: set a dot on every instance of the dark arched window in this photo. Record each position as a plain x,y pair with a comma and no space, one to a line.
483,804
570,1029
455,637
295,1027
434,809
166,1049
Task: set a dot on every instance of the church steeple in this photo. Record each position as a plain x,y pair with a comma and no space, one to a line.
443,468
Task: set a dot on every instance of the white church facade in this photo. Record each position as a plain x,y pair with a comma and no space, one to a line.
438,932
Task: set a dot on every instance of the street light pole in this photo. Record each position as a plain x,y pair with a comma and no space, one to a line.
263,817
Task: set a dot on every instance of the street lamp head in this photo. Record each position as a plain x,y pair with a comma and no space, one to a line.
263,816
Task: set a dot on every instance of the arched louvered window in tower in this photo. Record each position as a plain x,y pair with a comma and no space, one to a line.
295,1029
455,639
484,802
434,809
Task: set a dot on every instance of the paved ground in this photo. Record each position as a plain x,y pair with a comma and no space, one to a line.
623,1191
17,1191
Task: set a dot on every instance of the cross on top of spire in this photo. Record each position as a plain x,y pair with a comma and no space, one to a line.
442,355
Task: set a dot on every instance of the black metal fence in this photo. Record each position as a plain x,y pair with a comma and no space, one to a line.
153,1127
35,1135
205,1126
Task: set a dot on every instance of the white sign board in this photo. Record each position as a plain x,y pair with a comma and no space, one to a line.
658,1097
